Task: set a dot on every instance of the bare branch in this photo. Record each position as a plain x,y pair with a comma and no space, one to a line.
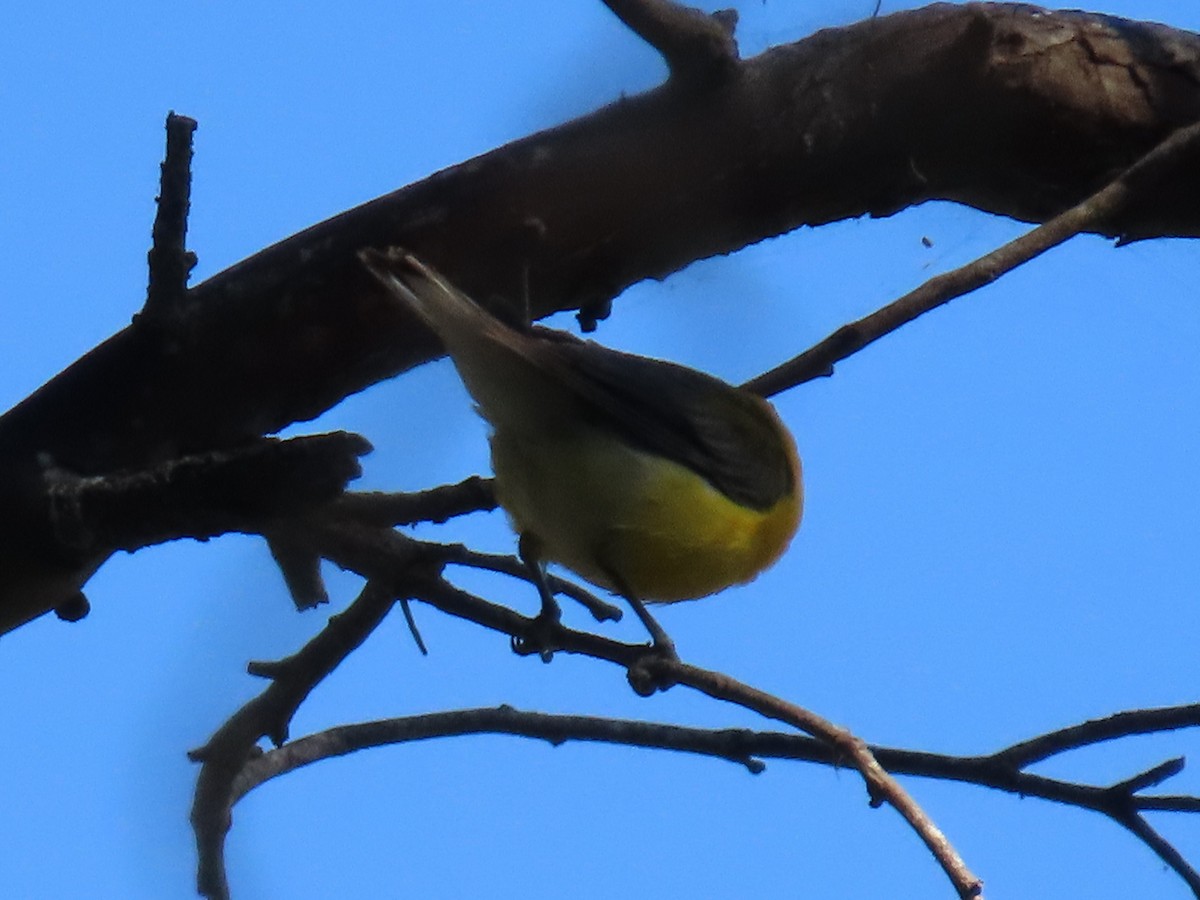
1106,205
881,786
730,744
368,553
1163,849
438,504
1152,777
387,557
268,715
601,610
1094,731
699,48
743,746
301,570
169,259
200,496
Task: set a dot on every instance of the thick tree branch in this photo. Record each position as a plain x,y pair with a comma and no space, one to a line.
202,496
79,521
950,102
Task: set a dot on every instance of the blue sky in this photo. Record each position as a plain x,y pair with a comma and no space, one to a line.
1001,534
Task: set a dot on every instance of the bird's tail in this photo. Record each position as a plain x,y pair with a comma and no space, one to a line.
498,365
442,306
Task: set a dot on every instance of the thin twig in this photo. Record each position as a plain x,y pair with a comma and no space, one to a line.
1094,731
741,746
881,786
601,610
1152,777
391,556
1105,204
726,744
1162,848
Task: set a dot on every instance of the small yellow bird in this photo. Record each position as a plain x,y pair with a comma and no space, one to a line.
644,477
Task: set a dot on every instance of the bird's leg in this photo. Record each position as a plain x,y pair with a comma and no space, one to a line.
648,674
660,641
539,638
528,548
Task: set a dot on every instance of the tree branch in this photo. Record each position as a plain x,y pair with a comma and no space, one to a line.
745,747
869,118
389,558
699,48
881,786
1106,205
201,496
268,716
437,505
410,568
1094,731
169,260
1163,849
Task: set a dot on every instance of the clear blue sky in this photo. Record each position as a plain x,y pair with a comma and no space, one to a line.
1001,536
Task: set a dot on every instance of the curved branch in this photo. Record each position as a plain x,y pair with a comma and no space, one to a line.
743,746
268,715
881,786
748,748
734,745
950,102
1094,731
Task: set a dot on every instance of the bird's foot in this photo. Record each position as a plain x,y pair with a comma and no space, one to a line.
542,634
652,670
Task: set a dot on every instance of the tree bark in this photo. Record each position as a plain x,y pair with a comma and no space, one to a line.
1004,107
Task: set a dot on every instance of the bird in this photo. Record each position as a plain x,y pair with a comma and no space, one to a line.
647,478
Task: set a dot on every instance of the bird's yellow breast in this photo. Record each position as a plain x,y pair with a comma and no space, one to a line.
634,522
